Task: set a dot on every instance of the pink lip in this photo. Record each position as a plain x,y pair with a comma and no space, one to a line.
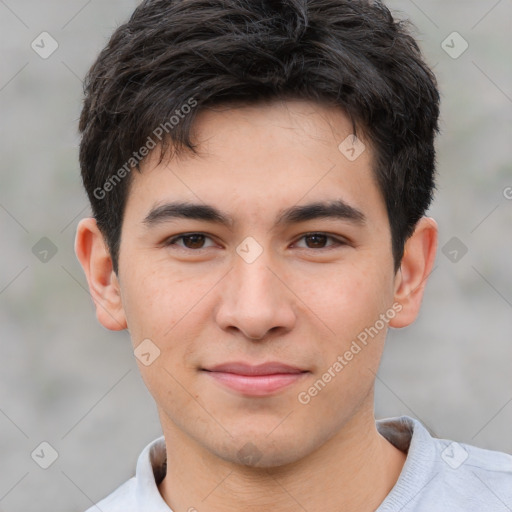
259,380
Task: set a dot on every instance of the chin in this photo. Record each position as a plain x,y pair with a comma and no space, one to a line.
261,452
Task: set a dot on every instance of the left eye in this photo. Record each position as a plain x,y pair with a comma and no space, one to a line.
319,240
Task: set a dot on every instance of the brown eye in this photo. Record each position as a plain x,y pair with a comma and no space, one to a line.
193,241
320,241
316,241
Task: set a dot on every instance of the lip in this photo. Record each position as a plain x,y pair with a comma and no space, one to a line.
241,368
255,380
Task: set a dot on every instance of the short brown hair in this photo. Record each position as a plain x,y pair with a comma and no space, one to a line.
349,53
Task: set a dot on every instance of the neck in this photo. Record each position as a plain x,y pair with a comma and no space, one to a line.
353,471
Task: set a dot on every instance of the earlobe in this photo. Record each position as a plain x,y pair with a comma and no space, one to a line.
416,266
93,254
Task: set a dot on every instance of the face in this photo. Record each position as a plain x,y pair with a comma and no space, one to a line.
285,259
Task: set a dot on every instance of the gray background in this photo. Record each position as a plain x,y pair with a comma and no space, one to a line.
66,380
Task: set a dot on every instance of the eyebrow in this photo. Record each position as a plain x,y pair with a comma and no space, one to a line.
337,209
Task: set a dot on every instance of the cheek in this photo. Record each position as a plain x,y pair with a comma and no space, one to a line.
156,301
352,308
346,300
166,308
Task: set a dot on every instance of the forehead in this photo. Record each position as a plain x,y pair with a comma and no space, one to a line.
265,156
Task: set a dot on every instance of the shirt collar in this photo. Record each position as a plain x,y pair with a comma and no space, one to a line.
149,472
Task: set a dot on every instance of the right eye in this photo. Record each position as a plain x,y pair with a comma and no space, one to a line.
191,241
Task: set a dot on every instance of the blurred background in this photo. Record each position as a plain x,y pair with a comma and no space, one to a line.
68,382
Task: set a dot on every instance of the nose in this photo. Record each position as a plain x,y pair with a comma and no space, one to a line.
256,300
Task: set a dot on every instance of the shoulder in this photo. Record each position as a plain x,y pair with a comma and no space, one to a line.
474,475
444,475
123,499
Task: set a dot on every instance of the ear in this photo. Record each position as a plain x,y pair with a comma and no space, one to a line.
94,256
415,268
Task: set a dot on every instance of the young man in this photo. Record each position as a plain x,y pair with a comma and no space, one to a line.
259,174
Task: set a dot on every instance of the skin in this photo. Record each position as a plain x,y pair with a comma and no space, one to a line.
301,302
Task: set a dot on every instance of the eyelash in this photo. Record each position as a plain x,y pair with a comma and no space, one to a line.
338,242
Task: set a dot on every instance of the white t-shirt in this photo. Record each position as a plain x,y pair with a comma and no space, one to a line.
438,476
